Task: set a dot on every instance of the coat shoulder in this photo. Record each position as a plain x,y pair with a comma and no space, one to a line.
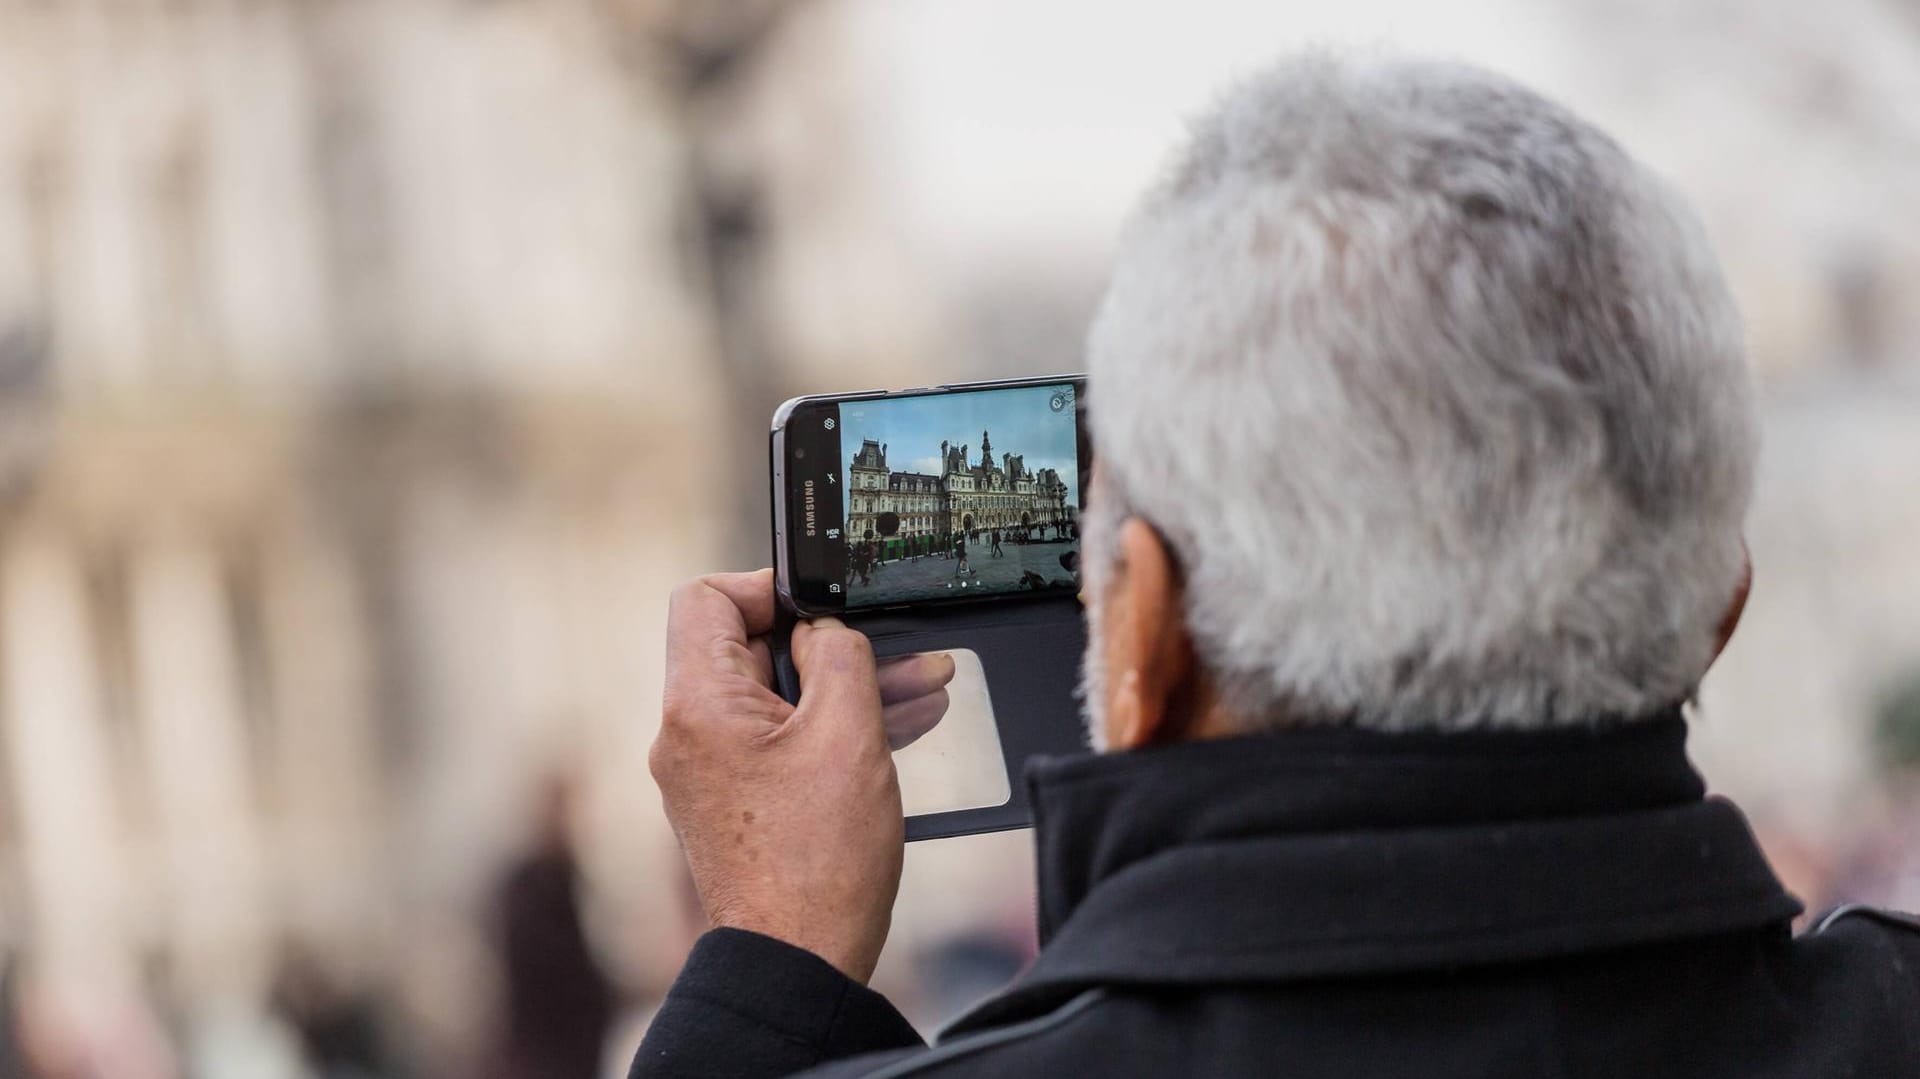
1872,949
1857,914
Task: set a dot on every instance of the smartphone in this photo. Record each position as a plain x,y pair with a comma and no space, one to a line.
943,494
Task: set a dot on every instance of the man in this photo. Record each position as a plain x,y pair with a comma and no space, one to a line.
960,555
1393,779
559,1003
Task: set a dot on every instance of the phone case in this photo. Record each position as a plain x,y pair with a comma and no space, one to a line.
1030,650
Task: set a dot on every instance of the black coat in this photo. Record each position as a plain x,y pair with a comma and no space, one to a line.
1344,904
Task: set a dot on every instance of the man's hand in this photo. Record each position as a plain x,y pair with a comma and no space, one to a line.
913,695
789,816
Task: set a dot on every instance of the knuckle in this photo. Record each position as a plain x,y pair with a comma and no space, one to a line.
673,708
682,590
669,754
676,619
681,713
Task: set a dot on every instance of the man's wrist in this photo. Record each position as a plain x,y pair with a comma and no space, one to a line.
845,952
765,1007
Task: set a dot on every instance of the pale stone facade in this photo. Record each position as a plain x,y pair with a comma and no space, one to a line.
330,346
965,497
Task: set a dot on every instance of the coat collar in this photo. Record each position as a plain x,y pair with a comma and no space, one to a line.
1327,852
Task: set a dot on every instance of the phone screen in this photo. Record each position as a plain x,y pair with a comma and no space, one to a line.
929,497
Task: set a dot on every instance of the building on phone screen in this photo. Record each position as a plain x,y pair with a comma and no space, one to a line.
912,511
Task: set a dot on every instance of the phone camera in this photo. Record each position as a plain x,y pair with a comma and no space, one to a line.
799,452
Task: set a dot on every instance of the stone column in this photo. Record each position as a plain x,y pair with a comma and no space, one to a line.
187,689
62,766
327,765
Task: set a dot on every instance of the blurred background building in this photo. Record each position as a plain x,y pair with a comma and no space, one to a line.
369,371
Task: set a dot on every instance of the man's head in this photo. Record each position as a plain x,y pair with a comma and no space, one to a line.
1419,405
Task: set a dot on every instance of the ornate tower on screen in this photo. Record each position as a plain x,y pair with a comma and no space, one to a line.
964,497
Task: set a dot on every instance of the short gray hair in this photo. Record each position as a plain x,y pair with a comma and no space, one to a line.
1438,397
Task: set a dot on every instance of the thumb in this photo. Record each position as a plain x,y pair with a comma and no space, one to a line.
837,675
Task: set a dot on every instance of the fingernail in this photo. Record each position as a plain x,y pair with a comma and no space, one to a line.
827,621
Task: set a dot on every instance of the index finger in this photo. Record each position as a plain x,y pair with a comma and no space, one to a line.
725,608
752,593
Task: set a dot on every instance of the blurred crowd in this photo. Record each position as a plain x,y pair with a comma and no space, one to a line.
559,1012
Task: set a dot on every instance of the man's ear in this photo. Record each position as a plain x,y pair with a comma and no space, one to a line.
1738,605
1149,656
